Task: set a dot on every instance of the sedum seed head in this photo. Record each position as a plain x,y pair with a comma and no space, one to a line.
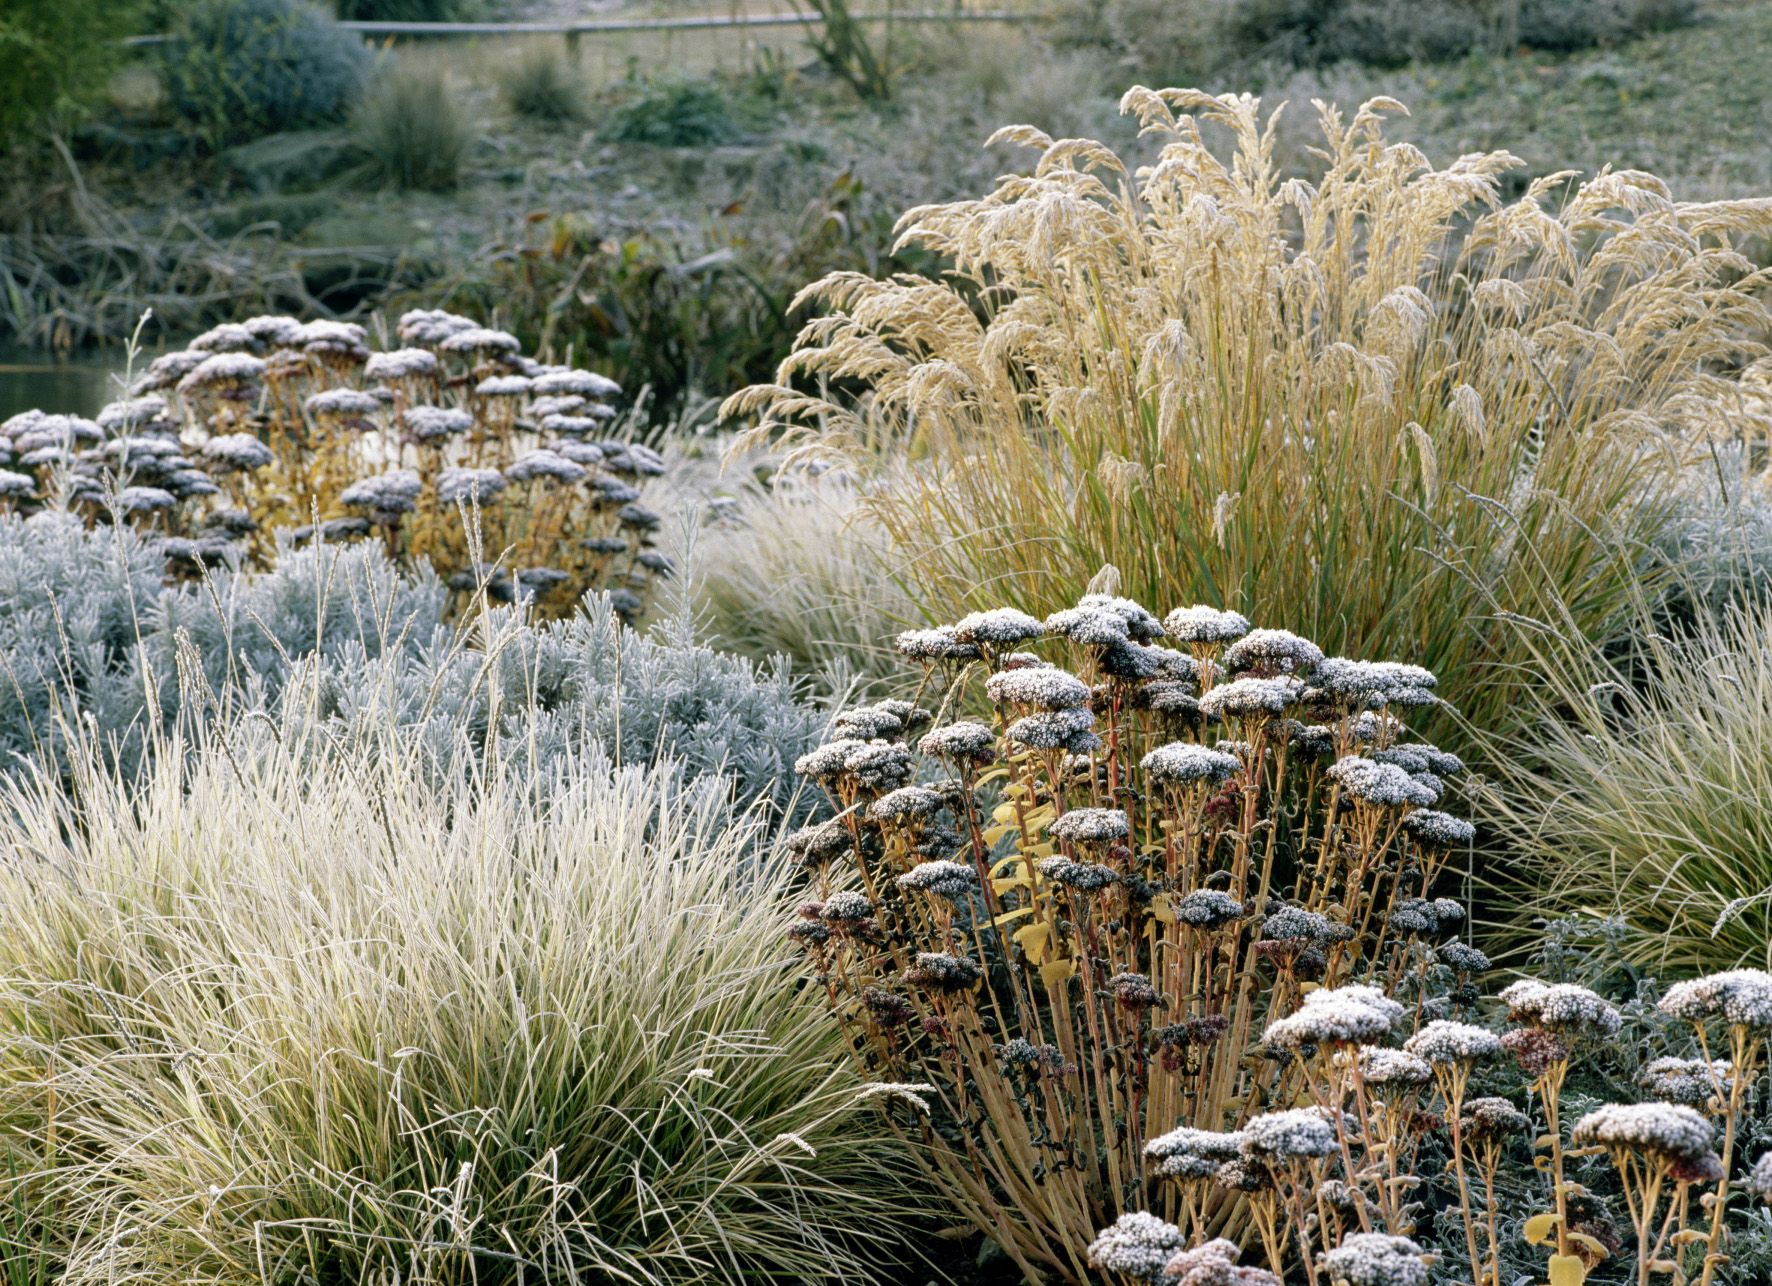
1376,1259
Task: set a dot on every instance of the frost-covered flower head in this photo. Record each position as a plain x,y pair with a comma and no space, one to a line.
1137,1245
907,803
867,722
1272,652
817,844
1089,626
1739,997
1209,909
1141,626
272,330
229,337
16,486
942,878
1381,785
1253,697
502,386
431,423
224,372
1000,627
1087,877
431,326
237,452
1214,1264
132,415
167,370
963,742
1444,1043
387,494
400,364
543,463
1376,1259
1182,763
1491,1120
1133,990
586,384
1760,1179
1202,624
1461,957
1292,1134
1562,1008
340,404
1037,688
1675,1135
1055,730
1339,1016
1435,829
1091,826
1296,924
1186,1153
848,907
939,971
1693,1082
1386,1068
878,766
462,485
144,500
476,340
827,761
938,644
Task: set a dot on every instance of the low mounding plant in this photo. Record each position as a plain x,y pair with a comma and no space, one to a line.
1640,790
337,637
1158,961
289,1010
236,69
413,130
1375,401
455,449
56,54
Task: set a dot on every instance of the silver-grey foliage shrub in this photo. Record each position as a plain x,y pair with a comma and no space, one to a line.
339,635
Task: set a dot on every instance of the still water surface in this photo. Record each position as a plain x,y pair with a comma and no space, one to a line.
31,379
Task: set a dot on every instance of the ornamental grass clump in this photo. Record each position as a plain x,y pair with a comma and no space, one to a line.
501,471
1129,909
1375,400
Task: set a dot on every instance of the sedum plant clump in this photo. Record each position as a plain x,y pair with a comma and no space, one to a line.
1197,825
1372,398
1151,963
454,448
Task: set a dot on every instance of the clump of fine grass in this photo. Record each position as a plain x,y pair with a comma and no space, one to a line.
1372,400
1640,790
296,1008
798,567
541,85
413,131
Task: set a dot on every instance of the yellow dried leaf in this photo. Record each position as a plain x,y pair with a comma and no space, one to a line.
1057,972
1009,917
1567,1270
1034,939
1595,1248
1540,1229
1162,909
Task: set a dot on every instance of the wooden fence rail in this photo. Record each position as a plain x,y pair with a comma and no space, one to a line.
573,31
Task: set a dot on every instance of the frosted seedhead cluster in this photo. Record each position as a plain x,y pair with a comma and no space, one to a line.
1209,909
386,495
934,645
1091,826
1491,1120
1182,763
1376,1259
1089,877
907,803
1669,1132
941,971
1188,1154
1381,785
1070,730
1739,997
1386,1068
1136,1244
998,628
1037,688
1251,698
942,878
1273,652
1202,624
1563,1008
1214,1264
1691,1082
1438,830
1444,1042
1293,1134
961,743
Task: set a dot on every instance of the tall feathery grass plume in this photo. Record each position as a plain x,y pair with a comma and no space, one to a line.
1378,401
289,1008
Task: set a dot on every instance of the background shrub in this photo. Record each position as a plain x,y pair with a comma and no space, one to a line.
237,69
674,112
57,54
399,1026
336,636
403,10
540,84
413,130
